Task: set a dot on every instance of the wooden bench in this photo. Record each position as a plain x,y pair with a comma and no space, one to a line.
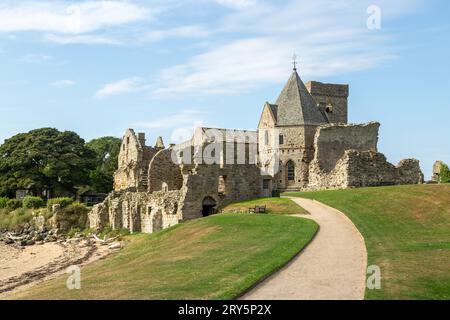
257,209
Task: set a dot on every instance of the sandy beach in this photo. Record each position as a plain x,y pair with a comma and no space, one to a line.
21,268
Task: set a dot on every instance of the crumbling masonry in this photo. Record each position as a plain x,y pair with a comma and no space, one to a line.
303,142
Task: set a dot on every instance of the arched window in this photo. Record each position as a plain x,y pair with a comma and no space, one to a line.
290,171
266,137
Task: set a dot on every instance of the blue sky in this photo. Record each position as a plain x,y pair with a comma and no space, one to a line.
164,67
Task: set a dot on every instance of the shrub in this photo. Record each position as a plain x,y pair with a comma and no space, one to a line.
3,201
445,174
63,202
33,202
73,216
15,219
13,204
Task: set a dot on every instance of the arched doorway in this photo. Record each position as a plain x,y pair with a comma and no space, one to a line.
208,206
290,172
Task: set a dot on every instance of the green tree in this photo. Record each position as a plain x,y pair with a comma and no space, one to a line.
445,174
107,151
44,159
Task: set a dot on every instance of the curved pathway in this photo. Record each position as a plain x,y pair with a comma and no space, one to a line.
332,266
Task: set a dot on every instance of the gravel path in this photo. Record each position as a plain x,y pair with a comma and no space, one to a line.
333,266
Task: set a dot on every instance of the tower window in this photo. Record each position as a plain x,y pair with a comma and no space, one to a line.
281,139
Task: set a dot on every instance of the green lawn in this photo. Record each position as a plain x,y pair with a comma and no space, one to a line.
217,257
274,206
407,234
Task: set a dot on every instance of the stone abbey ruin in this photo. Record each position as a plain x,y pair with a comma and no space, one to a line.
303,142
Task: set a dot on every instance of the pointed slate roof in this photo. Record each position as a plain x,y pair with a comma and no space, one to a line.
296,106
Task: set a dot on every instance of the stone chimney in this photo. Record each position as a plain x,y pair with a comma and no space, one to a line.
141,138
159,144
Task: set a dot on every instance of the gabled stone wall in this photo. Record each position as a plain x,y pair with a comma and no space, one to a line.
163,172
133,161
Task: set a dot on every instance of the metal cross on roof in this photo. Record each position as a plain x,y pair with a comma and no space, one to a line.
294,62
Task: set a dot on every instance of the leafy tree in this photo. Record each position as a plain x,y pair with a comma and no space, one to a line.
44,159
107,151
445,174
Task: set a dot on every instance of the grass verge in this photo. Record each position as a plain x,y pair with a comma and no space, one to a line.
217,257
274,206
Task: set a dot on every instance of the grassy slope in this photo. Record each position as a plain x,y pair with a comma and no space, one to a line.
211,258
274,205
407,234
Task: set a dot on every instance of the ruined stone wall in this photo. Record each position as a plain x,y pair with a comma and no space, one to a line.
133,161
332,99
137,211
365,169
235,183
164,171
372,169
331,142
346,156
436,174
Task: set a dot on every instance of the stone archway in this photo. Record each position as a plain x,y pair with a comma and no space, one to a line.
208,206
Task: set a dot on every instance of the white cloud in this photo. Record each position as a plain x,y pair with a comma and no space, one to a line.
179,32
123,86
80,39
329,37
253,47
62,83
251,63
238,4
68,17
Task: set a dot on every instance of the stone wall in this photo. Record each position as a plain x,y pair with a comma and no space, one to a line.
297,147
331,142
436,174
133,161
365,169
223,183
332,99
137,211
164,172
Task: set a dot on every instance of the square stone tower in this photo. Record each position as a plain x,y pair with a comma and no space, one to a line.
332,100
